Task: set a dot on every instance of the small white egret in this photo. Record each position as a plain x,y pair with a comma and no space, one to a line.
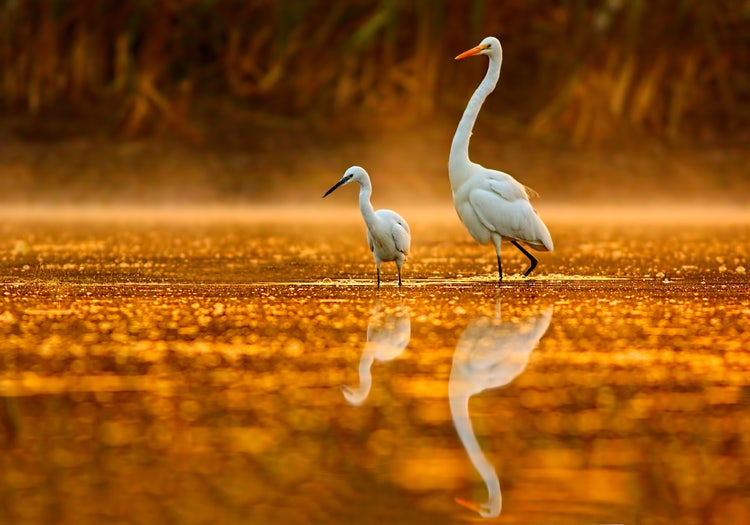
387,232
388,333
491,204
490,354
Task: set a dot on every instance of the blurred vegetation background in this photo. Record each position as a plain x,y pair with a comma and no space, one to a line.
124,98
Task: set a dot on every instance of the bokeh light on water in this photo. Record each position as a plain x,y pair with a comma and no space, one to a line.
190,369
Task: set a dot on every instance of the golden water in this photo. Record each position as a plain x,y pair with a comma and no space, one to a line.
221,368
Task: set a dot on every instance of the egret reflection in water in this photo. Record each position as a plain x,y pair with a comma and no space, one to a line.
490,353
388,333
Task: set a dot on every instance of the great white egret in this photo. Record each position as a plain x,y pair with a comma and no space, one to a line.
490,353
492,205
388,333
387,232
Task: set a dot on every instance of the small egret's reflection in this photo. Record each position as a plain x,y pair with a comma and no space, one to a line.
490,354
388,333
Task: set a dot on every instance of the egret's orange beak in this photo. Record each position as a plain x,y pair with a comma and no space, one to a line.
465,503
470,53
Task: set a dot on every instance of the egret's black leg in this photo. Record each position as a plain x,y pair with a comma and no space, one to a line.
399,276
532,259
499,269
378,276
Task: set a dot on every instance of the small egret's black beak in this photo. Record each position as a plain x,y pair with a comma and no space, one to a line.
339,183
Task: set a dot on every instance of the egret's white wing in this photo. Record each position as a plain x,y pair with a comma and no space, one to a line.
400,220
512,219
509,218
399,230
401,237
506,187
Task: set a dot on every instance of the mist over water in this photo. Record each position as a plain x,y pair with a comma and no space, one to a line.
407,165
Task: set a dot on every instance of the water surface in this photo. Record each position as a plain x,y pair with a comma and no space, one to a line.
243,368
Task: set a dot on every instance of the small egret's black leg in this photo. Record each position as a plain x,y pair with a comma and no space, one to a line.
532,259
499,269
378,276
399,276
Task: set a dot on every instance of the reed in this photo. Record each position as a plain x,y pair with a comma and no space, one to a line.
588,71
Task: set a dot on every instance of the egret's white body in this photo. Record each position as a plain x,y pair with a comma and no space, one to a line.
490,354
492,205
387,232
388,333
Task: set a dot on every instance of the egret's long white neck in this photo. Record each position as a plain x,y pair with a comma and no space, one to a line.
365,206
459,406
459,155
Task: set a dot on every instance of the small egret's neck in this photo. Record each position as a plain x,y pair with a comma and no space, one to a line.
459,155
365,206
357,396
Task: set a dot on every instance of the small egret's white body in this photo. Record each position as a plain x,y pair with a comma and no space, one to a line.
387,232
492,205
388,333
490,354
